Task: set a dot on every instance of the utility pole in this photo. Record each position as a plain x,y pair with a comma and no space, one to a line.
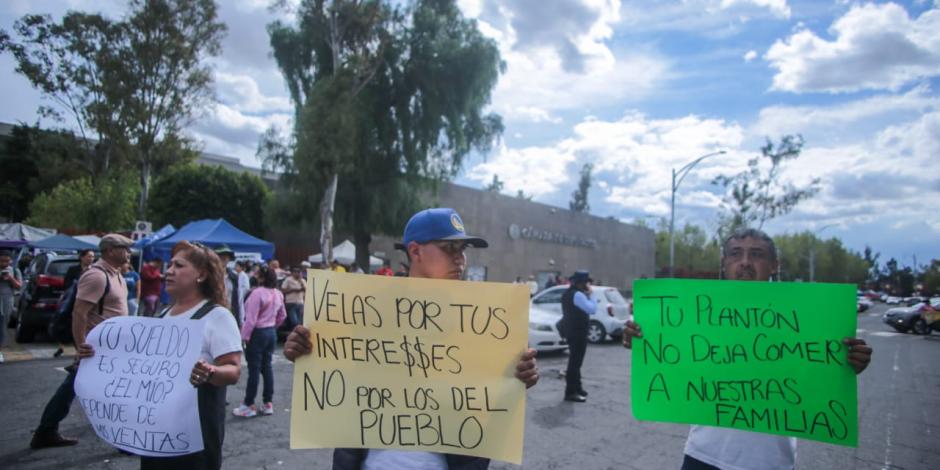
677,177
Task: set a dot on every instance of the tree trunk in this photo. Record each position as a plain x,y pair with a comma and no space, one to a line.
326,221
144,189
362,240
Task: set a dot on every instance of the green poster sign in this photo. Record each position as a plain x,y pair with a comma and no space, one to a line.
759,356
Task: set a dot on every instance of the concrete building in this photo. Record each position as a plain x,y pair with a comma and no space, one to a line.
529,238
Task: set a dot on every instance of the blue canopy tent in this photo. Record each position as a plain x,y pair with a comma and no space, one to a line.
61,242
144,245
214,233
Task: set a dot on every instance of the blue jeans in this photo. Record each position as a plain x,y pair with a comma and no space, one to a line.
295,314
259,352
58,407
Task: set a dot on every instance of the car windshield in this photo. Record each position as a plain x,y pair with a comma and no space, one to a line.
551,297
59,268
614,297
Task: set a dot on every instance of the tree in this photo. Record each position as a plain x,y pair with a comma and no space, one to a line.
130,85
524,196
388,99
932,278
163,76
579,198
191,192
68,63
35,161
495,186
871,259
80,204
758,194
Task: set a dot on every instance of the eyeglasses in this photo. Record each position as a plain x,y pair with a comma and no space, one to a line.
452,248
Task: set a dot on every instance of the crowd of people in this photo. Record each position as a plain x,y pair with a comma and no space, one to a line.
244,304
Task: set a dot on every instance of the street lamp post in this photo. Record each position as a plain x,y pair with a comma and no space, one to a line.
677,177
812,252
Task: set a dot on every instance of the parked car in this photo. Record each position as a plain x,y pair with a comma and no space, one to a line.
612,310
902,318
43,284
892,300
864,304
543,332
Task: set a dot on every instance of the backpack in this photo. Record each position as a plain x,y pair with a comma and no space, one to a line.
60,328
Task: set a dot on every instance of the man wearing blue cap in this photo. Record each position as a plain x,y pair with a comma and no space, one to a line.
577,307
435,242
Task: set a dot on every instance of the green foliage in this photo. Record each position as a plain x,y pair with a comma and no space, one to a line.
931,277
697,254
82,204
834,262
495,186
579,198
34,161
758,194
130,85
191,192
388,98
521,195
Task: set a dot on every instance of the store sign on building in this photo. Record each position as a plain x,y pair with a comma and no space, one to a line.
531,233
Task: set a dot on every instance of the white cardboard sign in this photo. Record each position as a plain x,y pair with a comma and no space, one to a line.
135,390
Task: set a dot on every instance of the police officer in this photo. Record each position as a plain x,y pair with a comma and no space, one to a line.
577,307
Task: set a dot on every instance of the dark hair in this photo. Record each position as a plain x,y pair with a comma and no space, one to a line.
82,253
742,233
268,277
6,253
241,263
203,258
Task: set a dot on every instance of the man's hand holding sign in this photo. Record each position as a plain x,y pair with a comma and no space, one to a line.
428,364
773,358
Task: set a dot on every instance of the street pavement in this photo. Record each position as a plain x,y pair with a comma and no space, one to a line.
899,417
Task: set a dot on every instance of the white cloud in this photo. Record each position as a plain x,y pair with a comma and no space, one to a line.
750,55
844,118
558,58
874,47
534,170
242,92
778,8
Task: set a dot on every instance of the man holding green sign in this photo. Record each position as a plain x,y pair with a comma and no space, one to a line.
768,360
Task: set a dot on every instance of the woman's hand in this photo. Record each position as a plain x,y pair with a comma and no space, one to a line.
202,373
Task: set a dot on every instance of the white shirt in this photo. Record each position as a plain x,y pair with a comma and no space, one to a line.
220,335
244,287
732,449
381,459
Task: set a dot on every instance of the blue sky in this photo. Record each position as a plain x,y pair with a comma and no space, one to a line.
639,87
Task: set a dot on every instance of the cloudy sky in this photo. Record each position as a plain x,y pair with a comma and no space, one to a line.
640,87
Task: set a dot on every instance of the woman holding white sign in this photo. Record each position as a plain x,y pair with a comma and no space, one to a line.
195,282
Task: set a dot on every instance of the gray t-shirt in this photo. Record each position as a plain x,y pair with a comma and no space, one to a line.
6,286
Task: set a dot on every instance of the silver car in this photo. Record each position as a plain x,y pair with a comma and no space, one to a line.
612,310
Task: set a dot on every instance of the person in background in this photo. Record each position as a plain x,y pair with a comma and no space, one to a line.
232,294
305,265
533,286
101,294
436,243
747,255
151,283
85,259
244,286
194,281
402,270
577,306
551,282
133,288
11,279
293,288
276,266
354,268
386,269
264,312
25,259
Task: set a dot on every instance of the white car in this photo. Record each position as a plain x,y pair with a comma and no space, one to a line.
892,300
612,310
543,332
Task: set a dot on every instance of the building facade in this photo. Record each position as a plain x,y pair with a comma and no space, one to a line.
528,238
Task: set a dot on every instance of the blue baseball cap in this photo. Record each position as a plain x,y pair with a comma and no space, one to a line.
437,224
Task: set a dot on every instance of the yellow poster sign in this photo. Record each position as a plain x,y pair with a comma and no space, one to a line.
412,364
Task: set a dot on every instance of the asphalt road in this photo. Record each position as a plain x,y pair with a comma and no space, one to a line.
899,405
